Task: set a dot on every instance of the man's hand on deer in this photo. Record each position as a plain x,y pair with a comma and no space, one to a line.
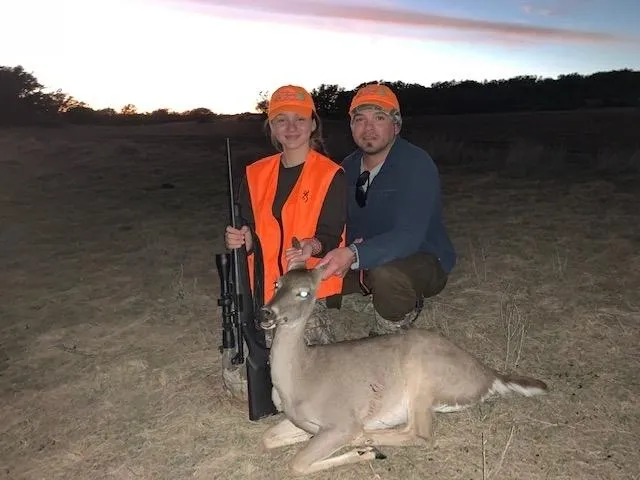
338,261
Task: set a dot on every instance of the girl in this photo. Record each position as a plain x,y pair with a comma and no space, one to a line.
298,192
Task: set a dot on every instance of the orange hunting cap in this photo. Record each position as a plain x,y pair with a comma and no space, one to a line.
376,95
291,98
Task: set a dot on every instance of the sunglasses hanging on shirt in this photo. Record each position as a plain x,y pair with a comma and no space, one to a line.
361,191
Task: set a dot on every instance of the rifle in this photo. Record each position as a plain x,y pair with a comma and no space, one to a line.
239,307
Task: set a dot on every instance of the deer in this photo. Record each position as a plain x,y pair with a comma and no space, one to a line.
364,393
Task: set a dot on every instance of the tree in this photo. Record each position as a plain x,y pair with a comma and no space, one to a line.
81,114
200,114
160,112
65,102
20,94
16,83
263,102
129,109
326,98
200,111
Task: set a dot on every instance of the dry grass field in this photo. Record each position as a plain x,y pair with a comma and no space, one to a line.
109,326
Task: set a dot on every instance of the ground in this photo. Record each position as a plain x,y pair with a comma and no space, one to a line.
109,323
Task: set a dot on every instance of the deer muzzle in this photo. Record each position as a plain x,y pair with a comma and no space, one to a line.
267,318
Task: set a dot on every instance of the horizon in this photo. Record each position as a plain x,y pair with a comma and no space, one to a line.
164,54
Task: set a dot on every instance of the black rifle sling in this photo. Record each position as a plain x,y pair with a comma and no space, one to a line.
258,275
258,371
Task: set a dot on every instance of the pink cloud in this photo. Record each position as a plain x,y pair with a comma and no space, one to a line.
386,16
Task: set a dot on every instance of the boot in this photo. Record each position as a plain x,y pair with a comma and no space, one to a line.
382,326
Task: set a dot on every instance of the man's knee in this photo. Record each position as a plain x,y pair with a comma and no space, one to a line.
393,292
398,285
431,278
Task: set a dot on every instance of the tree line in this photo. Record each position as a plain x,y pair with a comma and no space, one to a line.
616,88
23,99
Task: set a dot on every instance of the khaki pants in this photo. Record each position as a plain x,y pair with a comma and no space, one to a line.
398,287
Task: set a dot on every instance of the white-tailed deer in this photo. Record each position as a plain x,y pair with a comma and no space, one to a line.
365,393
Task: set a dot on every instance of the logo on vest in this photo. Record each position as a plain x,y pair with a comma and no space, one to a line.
305,196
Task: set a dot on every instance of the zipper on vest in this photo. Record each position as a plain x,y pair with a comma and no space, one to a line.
280,247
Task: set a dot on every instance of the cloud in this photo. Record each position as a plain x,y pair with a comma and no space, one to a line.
384,16
531,9
552,9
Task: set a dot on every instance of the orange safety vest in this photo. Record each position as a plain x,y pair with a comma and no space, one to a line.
300,214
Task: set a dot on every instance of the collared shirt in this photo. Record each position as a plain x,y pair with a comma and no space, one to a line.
372,173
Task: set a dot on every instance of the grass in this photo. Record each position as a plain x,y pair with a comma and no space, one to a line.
109,325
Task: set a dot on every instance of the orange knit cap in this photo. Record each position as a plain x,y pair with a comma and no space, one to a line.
377,95
291,98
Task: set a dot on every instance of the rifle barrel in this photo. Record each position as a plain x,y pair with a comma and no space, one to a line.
232,203
239,260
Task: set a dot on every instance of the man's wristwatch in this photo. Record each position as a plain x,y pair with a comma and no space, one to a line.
353,248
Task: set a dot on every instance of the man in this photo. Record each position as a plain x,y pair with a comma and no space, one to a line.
398,249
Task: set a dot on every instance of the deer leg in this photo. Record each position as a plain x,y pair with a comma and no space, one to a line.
392,437
282,434
417,432
275,398
421,416
316,455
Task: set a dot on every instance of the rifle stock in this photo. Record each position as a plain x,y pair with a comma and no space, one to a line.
239,307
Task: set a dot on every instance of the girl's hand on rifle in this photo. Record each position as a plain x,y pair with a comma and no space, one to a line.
234,238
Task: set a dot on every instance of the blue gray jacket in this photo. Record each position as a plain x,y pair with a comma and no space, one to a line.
403,214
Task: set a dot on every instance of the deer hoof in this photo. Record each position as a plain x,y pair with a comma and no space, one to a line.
374,453
379,454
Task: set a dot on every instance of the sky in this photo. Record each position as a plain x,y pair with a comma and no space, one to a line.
220,54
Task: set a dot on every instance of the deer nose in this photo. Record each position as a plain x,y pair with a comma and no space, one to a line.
266,313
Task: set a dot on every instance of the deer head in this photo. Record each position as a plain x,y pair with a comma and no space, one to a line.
295,296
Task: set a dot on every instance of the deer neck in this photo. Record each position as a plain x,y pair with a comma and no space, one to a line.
289,353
